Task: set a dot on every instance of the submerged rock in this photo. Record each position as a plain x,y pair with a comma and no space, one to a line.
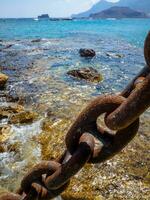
89,74
36,40
47,125
114,55
12,96
23,117
5,132
3,79
2,148
8,46
6,111
87,52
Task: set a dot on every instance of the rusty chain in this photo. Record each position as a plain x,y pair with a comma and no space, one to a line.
86,141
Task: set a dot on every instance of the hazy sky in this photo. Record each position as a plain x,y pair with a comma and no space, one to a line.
55,8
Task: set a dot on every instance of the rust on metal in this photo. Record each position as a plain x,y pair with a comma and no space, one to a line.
107,145
87,120
10,196
74,164
143,73
33,184
137,103
35,174
147,49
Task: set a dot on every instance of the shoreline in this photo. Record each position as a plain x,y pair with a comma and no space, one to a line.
38,82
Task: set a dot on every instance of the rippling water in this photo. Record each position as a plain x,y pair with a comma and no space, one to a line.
38,77
132,30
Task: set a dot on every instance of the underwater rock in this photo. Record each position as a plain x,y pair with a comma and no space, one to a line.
119,55
89,74
8,46
7,68
3,80
50,114
87,52
2,148
47,125
5,132
11,97
6,111
114,55
36,40
14,96
23,117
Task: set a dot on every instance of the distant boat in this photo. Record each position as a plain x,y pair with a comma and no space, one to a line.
44,16
36,19
111,18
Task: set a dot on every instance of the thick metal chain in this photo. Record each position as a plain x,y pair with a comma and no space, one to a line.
87,142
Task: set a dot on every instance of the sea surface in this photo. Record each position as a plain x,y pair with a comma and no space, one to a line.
131,30
36,55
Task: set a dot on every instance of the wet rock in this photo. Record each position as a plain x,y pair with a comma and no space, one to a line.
36,40
87,52
13,147
50,114
6,68
120,55
3,80
8,46
14,96
47,125
5,132
114,55
6,111
23,117
88,74
2,148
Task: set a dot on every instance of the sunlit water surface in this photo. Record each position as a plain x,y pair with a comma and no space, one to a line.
38,77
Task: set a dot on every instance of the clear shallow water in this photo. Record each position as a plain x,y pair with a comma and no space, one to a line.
38,70
38,77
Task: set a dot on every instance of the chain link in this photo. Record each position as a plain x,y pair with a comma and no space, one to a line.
86,141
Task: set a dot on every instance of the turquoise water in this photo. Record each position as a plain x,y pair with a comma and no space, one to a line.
31,65
132,30
38,78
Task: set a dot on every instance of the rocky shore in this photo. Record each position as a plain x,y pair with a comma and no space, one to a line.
39,102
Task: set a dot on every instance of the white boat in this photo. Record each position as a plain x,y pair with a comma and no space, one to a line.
36,19
111,18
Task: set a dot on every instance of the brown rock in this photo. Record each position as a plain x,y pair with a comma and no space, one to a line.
8,46
6,111
89,74
47,125
87,52
23,117
3,79
36,40
5,133
2,148
113,55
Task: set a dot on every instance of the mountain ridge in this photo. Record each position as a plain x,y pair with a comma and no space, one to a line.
118,12
138,5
